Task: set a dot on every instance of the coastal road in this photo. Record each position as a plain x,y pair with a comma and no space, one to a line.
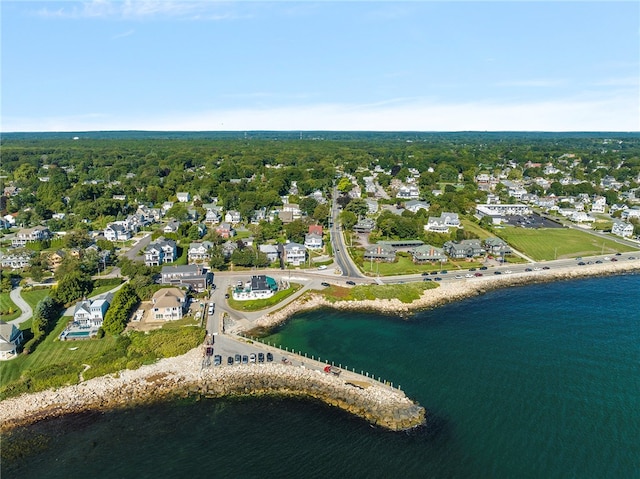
340,252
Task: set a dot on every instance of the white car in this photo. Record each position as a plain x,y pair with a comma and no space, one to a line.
507,271
322,267
468,275
537,269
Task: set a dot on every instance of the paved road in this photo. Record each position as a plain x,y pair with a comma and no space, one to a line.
27,312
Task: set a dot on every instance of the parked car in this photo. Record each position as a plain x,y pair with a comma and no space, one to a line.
426,273
483,268
546,267
252,358
472,269
478,274
351,283
426,279
245,359
459,276
226,296
321,267
437,278
238,359
529,269
269,357
326,285
444,271
230,360
497,272
217,360
261,357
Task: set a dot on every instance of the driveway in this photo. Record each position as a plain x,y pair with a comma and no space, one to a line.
27,312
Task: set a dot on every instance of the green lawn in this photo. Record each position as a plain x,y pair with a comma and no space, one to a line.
6,304
557,243
407,292
405,265
258,304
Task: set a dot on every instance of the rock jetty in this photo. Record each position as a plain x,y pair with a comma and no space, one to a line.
181,377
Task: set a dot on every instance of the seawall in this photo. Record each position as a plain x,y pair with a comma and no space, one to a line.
181,377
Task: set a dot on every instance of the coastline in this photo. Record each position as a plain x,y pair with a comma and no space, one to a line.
181,376
448,292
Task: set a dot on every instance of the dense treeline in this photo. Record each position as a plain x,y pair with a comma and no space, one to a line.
81,177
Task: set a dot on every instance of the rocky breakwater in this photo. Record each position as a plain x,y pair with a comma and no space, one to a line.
182,377
378,404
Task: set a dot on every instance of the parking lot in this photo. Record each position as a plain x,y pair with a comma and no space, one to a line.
531,221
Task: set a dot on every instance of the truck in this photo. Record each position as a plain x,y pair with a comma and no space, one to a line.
332,370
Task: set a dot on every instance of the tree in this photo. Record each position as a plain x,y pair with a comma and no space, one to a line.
358,206
345,185
308,205
348,219
44,317
296,231
321,214
117,317
75,285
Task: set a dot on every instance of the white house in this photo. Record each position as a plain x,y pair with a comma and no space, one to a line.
233,217
621,228
29,235
313,241
443,223
260,287
160,252
293,253
415,205
11,338
199,252
271,251
117,232
183,197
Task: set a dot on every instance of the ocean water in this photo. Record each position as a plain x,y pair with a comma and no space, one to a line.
541,381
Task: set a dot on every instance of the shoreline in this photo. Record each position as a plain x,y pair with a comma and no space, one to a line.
181,376
448,292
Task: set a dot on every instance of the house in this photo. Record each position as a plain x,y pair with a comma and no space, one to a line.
415,205
365,225
11,338
56,258
294,208
171,227
622,228
183,197
271,251
90,313
408,192
29,235
260,287
313,241
116,232
16,260
315,229
630,213
225,230
160,252
464,249
233,217
443,223
286,217
169,304
380,252
228,248
428,254
496,246
293,253
199,252
194,276
599,204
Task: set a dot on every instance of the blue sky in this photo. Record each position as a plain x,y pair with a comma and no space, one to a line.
302,65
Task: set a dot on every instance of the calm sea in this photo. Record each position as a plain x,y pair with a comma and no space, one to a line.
539,381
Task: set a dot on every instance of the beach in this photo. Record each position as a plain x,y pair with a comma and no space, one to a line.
175,376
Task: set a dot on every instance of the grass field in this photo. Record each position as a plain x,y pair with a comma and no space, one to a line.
546,244
407,292
6,304
405,265
259,304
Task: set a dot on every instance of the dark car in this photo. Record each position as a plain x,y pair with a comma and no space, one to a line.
426,279
581,263
351,283
245,359
472,269
444,271
230,360
426,273
529,269
483,268
269,357
497,272
438,278
546,267
226,296
217,360
326,285
238,359
261,357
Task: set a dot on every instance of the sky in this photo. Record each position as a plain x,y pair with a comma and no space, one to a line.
348,65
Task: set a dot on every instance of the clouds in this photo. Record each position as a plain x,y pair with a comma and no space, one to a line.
138,10
616,112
